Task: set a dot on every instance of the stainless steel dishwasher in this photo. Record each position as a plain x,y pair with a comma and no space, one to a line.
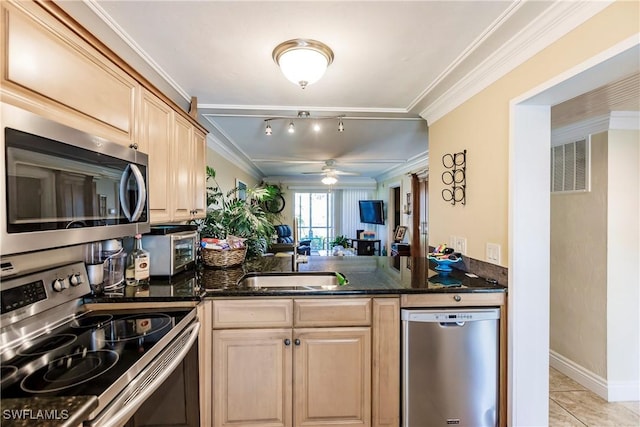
450,367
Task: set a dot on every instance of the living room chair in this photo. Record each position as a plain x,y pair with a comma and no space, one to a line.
285,242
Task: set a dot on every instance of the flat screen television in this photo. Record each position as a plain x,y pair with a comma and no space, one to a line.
371,211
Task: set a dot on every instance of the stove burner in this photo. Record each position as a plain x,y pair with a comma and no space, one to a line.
7,373
47,344
137,326
69,371
91,321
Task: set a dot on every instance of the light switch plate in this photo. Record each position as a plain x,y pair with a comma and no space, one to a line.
493,253
460,245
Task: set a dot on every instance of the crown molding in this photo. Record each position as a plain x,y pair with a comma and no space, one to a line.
223,150
579,130
126,38
616,120
416,163
624,120
559,19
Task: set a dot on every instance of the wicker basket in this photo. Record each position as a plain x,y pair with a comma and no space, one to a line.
220,258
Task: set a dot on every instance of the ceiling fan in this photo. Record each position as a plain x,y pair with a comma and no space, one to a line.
330,172
330,168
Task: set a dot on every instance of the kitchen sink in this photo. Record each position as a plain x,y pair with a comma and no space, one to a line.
307,281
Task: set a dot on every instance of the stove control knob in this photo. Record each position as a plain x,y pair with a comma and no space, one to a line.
58,285
75,279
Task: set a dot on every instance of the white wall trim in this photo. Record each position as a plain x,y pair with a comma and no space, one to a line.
625,120
119,31
529,283
529,231
578,373
417,163
612,391
618,120
554,23
579,130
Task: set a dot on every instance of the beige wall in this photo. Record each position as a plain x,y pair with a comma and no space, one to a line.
227,172
481,126
578,301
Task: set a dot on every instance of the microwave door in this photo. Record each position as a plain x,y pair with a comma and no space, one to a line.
132,191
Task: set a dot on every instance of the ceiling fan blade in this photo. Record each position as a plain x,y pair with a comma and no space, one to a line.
345,173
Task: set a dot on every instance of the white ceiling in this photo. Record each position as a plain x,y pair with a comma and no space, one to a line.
394,60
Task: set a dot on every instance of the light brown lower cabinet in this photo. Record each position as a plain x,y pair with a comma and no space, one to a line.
297,376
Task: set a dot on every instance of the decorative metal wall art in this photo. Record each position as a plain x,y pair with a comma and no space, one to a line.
455,177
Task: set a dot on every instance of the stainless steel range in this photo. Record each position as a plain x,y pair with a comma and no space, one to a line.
51,346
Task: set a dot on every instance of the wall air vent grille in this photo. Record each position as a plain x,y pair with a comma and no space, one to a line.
570,165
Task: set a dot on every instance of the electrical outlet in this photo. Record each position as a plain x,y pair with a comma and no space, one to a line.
452,242
493,253
460,245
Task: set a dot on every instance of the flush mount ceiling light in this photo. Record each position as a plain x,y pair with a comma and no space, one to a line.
302,115
303,61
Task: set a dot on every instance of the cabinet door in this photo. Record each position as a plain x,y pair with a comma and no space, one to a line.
332,380
252,377
48,69
182,193
155,136
199,174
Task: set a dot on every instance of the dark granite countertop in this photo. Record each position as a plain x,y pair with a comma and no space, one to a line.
366,275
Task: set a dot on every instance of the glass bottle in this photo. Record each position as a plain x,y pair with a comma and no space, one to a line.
137,272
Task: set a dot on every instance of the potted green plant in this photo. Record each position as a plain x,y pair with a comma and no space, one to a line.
340,241
227,214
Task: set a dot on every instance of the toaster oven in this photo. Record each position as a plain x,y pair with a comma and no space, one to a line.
172,249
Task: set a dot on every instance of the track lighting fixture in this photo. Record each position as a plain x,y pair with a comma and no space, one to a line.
302,115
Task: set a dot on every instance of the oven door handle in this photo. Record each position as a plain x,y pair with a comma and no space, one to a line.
141,392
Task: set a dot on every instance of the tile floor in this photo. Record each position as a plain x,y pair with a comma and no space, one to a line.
570,404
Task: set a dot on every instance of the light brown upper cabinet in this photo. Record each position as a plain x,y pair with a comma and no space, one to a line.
55,73
155,138
57,69
188,171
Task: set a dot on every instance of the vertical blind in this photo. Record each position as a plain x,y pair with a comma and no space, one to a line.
349,215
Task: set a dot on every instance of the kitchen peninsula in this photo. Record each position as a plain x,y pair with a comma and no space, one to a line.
319,353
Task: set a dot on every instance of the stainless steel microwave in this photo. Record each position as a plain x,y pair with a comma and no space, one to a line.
64,187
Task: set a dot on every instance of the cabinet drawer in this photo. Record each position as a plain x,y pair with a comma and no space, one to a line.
252,313
453,299
332,312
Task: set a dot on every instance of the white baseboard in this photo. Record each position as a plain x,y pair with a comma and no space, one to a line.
614,391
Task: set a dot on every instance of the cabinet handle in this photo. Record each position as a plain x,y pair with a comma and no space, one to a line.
457,298
134,146
297,341
287,341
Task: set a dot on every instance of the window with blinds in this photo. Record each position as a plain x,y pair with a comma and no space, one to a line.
570,167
